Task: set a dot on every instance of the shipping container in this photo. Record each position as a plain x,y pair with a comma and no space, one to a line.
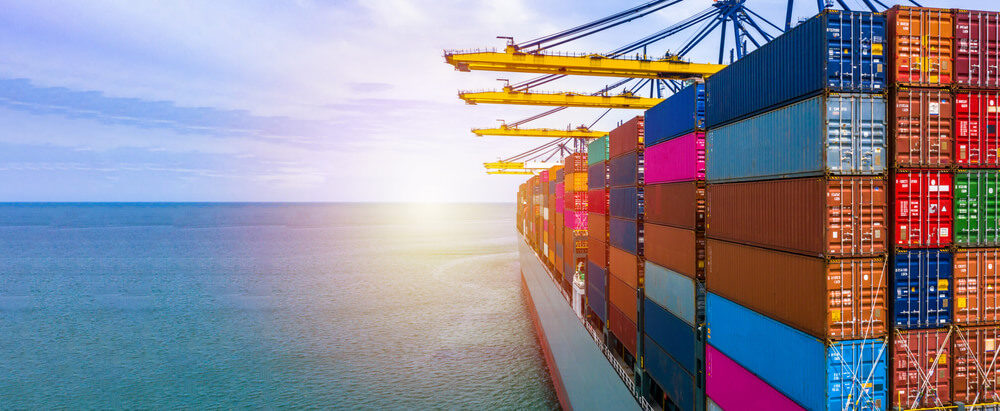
977,208
624,202
680,114
675,204
922,121
575,220
624,170
835,217
597,200
624,234
597,253
680,159
623,329
977,116
623,297
923,216
734,388
922,281
677,338
921,46
838,134
975,367
976,50
835,51
597,176
680,386
626,138
576,182
575,163
921,368
596,286
840,299
674,248
977,287
597,151
815,374
671,290
597,227
623,265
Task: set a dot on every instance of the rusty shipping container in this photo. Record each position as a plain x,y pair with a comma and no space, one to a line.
921,46
975,373
924,215
921,121
627,137
836,217
676,204
921,368
623,265
839,299
977,48
623,297
977,118
674,248
977,278
622,328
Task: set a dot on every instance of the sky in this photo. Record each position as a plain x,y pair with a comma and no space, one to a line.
293,101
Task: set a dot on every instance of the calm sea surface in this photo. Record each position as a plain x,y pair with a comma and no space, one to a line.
264,306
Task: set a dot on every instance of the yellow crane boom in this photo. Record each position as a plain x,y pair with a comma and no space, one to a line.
510,96
517,167
579,132
518,172
512,60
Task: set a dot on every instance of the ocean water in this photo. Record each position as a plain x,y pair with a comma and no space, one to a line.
264,306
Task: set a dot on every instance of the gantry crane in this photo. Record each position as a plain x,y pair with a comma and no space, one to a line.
512,131
508,95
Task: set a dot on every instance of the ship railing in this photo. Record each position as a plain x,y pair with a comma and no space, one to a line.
993,406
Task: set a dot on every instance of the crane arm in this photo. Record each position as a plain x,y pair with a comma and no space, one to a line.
625,100
585,65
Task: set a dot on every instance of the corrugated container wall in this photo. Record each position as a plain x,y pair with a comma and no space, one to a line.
839,134
977,128
977,208
834,51
802,367
976,49
673,291
675,336
921,44
679,159
922,121
735,388
923,216
922,281
680,114
669,375
597,151
673,248
829,299
596,286
624,170
921,368
626,137
815,216
975,371
676,204
977,286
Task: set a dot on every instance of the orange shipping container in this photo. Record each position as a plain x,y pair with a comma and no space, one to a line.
597,227
623,265
597,253
623,297
673,248
975,375
921,368
977,300
841,299
921,46
576,181
922,127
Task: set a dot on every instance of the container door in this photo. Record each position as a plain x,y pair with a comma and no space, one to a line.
855,130
977,208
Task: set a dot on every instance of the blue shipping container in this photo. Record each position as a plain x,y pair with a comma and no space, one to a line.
677,338
842,134
849,375
835,51
596,284
922,289
623,234
624,170
624,202
670,376
680,114
597,176
671,290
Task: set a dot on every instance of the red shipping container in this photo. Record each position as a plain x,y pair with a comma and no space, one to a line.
597,201
974,359
575,163
676,204
977,48
977,115
627,137
921,368
923,216
623,297
977,278
597,227
622,328
575,200
922,125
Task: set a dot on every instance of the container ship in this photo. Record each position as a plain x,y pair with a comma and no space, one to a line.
824,237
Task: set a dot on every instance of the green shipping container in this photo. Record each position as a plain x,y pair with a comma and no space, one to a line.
597,150
977,207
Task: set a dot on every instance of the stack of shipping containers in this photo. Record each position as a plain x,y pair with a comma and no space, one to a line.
796,270
557,222
597,232
625,238
922,144
674,250
574,217
550,201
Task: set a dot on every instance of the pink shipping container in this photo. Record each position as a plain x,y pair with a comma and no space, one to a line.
680,159
575,220
734,388
560,198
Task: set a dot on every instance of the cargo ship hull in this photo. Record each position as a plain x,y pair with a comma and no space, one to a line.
582,375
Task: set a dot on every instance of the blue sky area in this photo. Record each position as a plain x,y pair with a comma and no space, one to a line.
304,100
